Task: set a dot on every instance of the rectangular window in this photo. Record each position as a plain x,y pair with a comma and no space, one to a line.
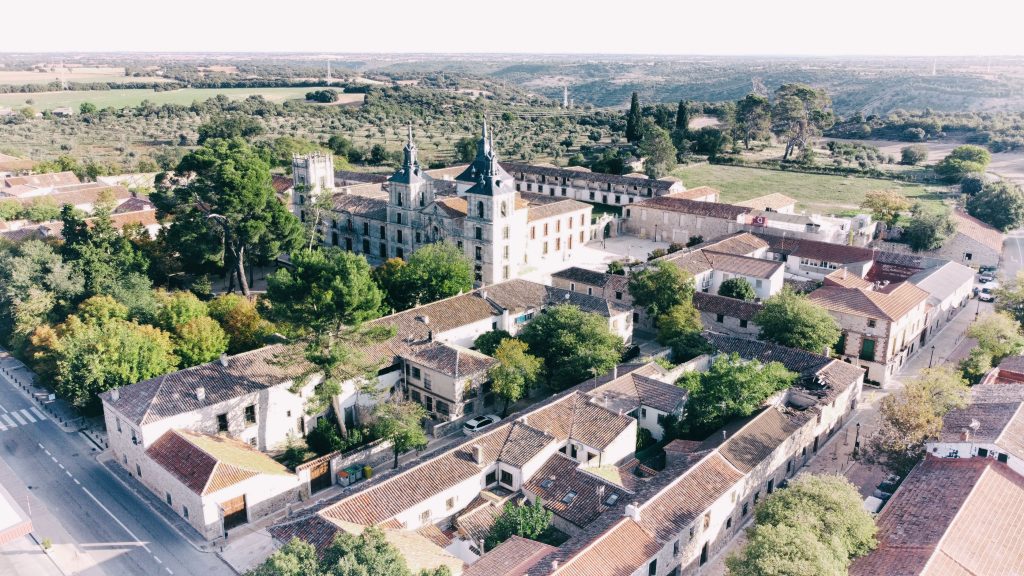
399,253
558,225
169,499
479,233
491,478
250,414
184,512
652,568
506,478
415,396
398,236
504,251
424,516
719,318
415,373
366,246
479,253
867,349
118,424
450,503
426,382
558,244
366,228
418,238
383,250
545,229
675,548
504,273
222,422
533,232
743,323
545,250
564,191
383,233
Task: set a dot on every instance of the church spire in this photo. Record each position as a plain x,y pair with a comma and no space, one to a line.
485,141
409,161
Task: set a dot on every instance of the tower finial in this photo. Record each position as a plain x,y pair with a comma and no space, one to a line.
410,134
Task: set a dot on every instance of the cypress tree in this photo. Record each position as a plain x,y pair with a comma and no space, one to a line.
634,122
683,116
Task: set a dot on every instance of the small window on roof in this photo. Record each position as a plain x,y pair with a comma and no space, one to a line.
568,499
546,483
611,499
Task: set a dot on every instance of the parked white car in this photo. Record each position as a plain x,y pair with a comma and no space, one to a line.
478,423
987,292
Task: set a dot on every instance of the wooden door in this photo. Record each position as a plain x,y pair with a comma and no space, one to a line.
234,512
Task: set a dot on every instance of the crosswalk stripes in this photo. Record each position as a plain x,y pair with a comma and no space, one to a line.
23,417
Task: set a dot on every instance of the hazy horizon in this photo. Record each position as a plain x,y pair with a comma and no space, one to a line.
789,28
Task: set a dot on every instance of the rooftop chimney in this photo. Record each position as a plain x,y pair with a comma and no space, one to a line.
724,435
600,493
224,360
633,511
615,372
115,394
200,393
965,435
478,454
483,294
554,564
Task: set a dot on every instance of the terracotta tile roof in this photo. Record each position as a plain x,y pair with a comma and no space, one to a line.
895,304
748,442
281,184
513,557
452,360
620,551
846,279
80,194
310,528
773,202
537,210
454,207
741,243
135,204
366,177
984,421
977,230
361,205
1012,364
744,265
709,209
23,184
963,512
476,520
632,390
694,262
678,506
576,416
715,304
576,175
698,193
435,535
175,393
593,278
815,250
206,464
561,476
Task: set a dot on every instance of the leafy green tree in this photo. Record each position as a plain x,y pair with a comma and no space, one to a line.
683,318
634,121
177,308
913,155
972,183
368,554
753,119
886,205
529,520
1010,297
800,113
999,204
738,288
279,151
616,267
86,108
228,127
790,319
658,151
296,558
228,213
101,309
9,210
731,388
998,336
342,147
436,271
391,278
36,288
976,365
41,210
515,372
659,287
912,416
815,527
963,160
488,342
465,149
241,321
928,229
683,117
98,249
324,289
574,344
324,437
199,340
86,365
402,424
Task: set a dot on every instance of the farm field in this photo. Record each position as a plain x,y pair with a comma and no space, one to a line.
814,192
122,98
110,74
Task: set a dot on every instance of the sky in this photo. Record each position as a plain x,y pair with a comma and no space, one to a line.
725,27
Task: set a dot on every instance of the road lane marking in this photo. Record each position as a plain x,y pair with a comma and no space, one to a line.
2,408
38,413
54,459
119,523
47,452
28,416
168,570
68,473
158,561
9,421
18,418
2,427
76,481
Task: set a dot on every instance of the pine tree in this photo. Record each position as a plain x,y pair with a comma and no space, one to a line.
683,116
634,122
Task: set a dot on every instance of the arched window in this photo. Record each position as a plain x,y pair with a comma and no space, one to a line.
480,209
504,209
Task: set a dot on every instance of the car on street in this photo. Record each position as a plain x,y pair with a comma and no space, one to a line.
986,278
988,292
987,270
478,423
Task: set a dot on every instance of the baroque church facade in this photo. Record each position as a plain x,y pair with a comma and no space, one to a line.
502,230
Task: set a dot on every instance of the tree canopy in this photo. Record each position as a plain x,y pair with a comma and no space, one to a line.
799,113
433,272
634,120
753,119
574,344
658,151
659,287
886,205
528,520
228,214
815,527
487,343
999,204
365,554
738,288
402,424
515,372
792,320
963,160
731,388
928,229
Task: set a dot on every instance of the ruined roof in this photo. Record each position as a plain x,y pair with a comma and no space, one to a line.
732,307
360,205
281,183
597,177
206,464
708,209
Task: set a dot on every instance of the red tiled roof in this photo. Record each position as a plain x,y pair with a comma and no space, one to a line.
281,183
618,552
899,300
710,209
715,304
699,192
950,512
846,279
976,229
206,464
512,557
36,181
561,475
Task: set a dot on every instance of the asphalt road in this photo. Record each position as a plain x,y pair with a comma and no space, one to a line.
97,526
1013,255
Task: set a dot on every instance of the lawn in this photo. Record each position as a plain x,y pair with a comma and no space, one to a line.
813,192
121,98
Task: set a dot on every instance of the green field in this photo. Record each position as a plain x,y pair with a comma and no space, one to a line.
813,192
121,98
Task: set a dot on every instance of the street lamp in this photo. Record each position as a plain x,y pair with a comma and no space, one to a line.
932,356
